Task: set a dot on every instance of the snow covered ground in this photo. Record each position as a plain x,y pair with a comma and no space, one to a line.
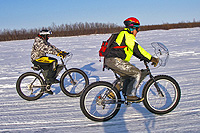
59,113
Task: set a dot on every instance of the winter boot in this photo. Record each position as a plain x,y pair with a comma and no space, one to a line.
144,73
49,77
126,81
129,85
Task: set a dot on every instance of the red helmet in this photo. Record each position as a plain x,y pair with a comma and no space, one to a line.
132,22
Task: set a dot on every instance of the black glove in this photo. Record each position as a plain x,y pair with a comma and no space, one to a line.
62,54
154,61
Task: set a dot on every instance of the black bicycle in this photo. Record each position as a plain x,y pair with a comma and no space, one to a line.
31,86
161,93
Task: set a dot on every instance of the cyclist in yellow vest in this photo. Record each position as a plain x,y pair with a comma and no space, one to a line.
40,48
118,58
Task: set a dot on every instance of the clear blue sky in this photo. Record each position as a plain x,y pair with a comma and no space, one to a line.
29,14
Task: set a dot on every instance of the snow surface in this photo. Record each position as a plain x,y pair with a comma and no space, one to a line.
60,113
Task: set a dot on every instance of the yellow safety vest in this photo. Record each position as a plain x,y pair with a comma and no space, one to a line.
132,46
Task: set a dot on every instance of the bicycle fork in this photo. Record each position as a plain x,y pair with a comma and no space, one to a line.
155,83
72,80
157,87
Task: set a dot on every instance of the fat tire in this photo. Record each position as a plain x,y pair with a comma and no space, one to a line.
150,83
73,70
84,94
18,88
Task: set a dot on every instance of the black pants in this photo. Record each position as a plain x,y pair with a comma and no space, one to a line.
48,64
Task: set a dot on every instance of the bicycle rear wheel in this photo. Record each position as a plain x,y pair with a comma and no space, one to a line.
29,86
97,103
156,103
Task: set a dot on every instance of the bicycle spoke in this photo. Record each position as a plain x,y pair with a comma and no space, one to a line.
73,81
74,84
165,102
98,104
30,86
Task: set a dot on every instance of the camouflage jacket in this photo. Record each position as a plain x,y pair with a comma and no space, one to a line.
41,48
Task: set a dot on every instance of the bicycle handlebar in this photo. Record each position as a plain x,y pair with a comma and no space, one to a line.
66,58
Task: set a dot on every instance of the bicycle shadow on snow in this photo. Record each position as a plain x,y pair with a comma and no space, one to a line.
88,69
118,123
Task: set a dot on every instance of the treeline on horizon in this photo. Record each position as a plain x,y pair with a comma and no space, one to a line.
84,29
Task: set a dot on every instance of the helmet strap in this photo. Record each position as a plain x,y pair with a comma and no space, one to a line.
44,38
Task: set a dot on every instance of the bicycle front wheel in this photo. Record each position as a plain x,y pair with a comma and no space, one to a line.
73,81
165,103
100,101
29,86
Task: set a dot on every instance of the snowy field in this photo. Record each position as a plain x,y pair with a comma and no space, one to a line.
59,113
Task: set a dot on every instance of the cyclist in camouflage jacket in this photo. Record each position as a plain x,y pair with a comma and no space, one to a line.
40,48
